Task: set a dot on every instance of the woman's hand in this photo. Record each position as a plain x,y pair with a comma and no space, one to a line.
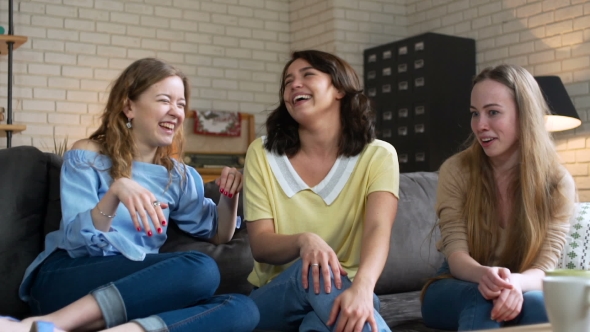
509,304
493,281
318,256
140,201
230,181
355,306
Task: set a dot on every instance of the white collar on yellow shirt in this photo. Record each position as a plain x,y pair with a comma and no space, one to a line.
328,189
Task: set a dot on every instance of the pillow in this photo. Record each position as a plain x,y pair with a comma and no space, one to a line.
576,252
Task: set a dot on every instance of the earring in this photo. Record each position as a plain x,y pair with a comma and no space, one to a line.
128,124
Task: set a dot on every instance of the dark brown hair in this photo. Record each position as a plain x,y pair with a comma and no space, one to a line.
356,116
115,139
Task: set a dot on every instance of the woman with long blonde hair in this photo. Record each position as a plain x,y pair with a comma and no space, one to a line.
119,189
504,205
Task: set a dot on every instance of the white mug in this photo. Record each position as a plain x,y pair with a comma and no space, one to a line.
567,300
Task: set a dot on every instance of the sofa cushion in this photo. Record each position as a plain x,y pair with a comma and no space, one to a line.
576,252
53,214
23,203
413,257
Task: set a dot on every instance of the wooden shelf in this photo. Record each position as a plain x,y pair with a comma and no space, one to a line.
15,128
18,41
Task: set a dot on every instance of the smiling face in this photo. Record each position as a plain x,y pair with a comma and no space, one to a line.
494,120
309,93
157,114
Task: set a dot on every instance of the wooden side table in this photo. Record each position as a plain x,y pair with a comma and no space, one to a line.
526,328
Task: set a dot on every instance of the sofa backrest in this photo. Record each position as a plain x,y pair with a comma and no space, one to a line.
24,211
413,257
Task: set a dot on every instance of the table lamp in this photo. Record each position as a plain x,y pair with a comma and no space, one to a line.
563,113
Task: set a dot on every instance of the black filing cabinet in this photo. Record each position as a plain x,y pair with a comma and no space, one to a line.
420,88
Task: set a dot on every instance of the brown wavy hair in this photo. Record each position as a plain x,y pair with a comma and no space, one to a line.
533,188
357,119
114,138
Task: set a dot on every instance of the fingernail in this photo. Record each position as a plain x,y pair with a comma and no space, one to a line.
159,230
163,222
230,195
225,193
138,229
221,190
150,233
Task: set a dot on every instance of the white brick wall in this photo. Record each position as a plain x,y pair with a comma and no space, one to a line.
367,23
77,47
346,27
547,37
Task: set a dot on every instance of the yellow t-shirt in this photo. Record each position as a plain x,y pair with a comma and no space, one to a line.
334,209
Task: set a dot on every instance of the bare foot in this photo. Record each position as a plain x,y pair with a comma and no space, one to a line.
7,325
12,326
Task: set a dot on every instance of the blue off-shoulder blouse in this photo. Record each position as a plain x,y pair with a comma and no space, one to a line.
85,179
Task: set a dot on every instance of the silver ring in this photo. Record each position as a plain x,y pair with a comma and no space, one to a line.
315,264
155,203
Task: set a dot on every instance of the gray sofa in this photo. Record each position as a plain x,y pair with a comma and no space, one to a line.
30,208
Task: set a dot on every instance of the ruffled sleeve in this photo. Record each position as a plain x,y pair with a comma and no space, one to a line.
195,214
80,187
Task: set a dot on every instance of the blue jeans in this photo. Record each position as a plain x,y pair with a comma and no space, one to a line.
164,292
285,305
453,304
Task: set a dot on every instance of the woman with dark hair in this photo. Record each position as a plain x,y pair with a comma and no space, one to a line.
119,188
320,199
504,205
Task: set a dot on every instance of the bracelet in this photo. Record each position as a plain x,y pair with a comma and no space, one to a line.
104,214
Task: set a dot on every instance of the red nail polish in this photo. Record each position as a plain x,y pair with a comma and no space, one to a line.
159,230
230,195
221,190
138,229
225,193
150,233
163,222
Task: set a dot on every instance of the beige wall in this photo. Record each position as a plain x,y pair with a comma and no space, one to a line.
547,37
234,51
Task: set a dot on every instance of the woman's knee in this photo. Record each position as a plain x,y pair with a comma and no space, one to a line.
446,300
533,307
246,311
533,299
200,273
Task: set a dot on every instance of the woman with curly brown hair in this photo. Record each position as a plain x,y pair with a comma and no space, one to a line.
320,199
119,190
504,204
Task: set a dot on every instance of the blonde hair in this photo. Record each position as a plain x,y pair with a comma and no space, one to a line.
532,189
115,139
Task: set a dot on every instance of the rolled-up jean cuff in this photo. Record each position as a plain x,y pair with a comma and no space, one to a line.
152,324
111,305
